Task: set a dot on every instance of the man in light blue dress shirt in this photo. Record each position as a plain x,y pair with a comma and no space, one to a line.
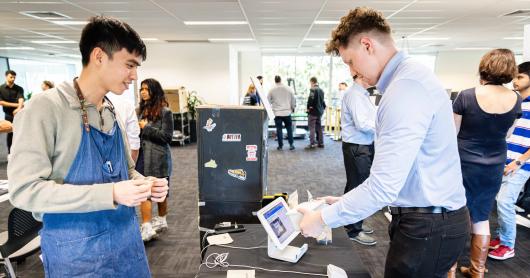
416,167
357,122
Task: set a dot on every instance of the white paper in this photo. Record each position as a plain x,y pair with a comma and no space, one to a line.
292,201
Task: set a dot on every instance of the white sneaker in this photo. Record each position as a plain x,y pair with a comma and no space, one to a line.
159,223
147,232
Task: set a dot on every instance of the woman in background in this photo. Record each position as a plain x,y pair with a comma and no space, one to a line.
483,117
251,98
154,159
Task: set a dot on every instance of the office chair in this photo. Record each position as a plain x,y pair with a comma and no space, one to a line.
21,239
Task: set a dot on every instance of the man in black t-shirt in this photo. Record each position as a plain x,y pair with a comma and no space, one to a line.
12,100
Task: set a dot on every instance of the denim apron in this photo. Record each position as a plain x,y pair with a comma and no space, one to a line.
101,243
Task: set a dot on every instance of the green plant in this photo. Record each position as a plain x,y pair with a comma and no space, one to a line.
193,102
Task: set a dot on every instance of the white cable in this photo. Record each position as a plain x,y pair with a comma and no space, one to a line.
244,248
220,260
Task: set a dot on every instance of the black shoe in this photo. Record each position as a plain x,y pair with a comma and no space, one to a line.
321,146
291,148
279,148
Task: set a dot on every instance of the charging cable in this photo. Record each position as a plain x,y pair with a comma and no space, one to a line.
220,259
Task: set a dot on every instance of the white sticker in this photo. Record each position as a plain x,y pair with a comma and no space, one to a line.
210,164
239,174
210,125
252,151
231,137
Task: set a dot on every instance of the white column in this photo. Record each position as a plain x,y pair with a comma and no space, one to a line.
526,47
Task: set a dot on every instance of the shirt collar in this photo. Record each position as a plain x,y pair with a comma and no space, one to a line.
389,70
356,87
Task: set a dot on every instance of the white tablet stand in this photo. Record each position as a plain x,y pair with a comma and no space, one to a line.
289,253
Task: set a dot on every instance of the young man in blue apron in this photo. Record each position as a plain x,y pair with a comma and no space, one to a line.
71,167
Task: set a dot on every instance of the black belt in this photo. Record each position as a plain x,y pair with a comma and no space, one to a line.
430,210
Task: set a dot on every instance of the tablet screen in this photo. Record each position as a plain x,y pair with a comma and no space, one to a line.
279,222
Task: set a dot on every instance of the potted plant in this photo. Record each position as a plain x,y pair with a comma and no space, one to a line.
192,103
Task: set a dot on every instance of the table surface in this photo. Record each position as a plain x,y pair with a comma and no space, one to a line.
315,260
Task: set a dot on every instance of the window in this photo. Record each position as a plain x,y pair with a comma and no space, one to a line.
30,74
329,71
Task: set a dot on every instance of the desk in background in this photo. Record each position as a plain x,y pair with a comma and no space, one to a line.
316,259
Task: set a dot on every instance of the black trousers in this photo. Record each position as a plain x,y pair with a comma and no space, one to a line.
357,162
426,245
279,121
9,136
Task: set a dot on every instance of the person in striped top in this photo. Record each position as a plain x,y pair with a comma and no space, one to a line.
516,172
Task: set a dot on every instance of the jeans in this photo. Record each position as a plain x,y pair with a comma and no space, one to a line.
279,129
506,198
426,244
315,128
357,162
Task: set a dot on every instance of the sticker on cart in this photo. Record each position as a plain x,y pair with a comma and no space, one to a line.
252,151
210,125
210,164
239,174
231,137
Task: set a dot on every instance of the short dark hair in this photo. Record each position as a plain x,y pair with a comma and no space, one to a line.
110,35
313,80
357,21
498,66
12,72
346,84
524,68
277,79
259,77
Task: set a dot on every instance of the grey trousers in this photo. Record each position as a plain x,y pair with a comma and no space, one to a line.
315,128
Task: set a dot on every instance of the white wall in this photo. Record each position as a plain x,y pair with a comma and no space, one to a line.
458,70
250,64
526,43
202,67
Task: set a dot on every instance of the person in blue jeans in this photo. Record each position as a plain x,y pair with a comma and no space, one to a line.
516,172
71,166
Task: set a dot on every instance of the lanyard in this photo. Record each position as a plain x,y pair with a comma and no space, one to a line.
84,113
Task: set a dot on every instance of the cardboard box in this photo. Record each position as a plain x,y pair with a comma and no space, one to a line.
177,99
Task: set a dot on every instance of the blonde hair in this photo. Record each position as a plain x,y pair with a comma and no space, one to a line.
498,66
250,89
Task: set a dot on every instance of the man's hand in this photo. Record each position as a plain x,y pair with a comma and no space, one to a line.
312,224
330,200
132,192
16,111
2,103
159,189
511,168
5,126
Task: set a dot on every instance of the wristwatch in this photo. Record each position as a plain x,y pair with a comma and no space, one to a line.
517,162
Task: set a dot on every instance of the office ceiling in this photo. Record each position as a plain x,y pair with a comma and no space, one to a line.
274,26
